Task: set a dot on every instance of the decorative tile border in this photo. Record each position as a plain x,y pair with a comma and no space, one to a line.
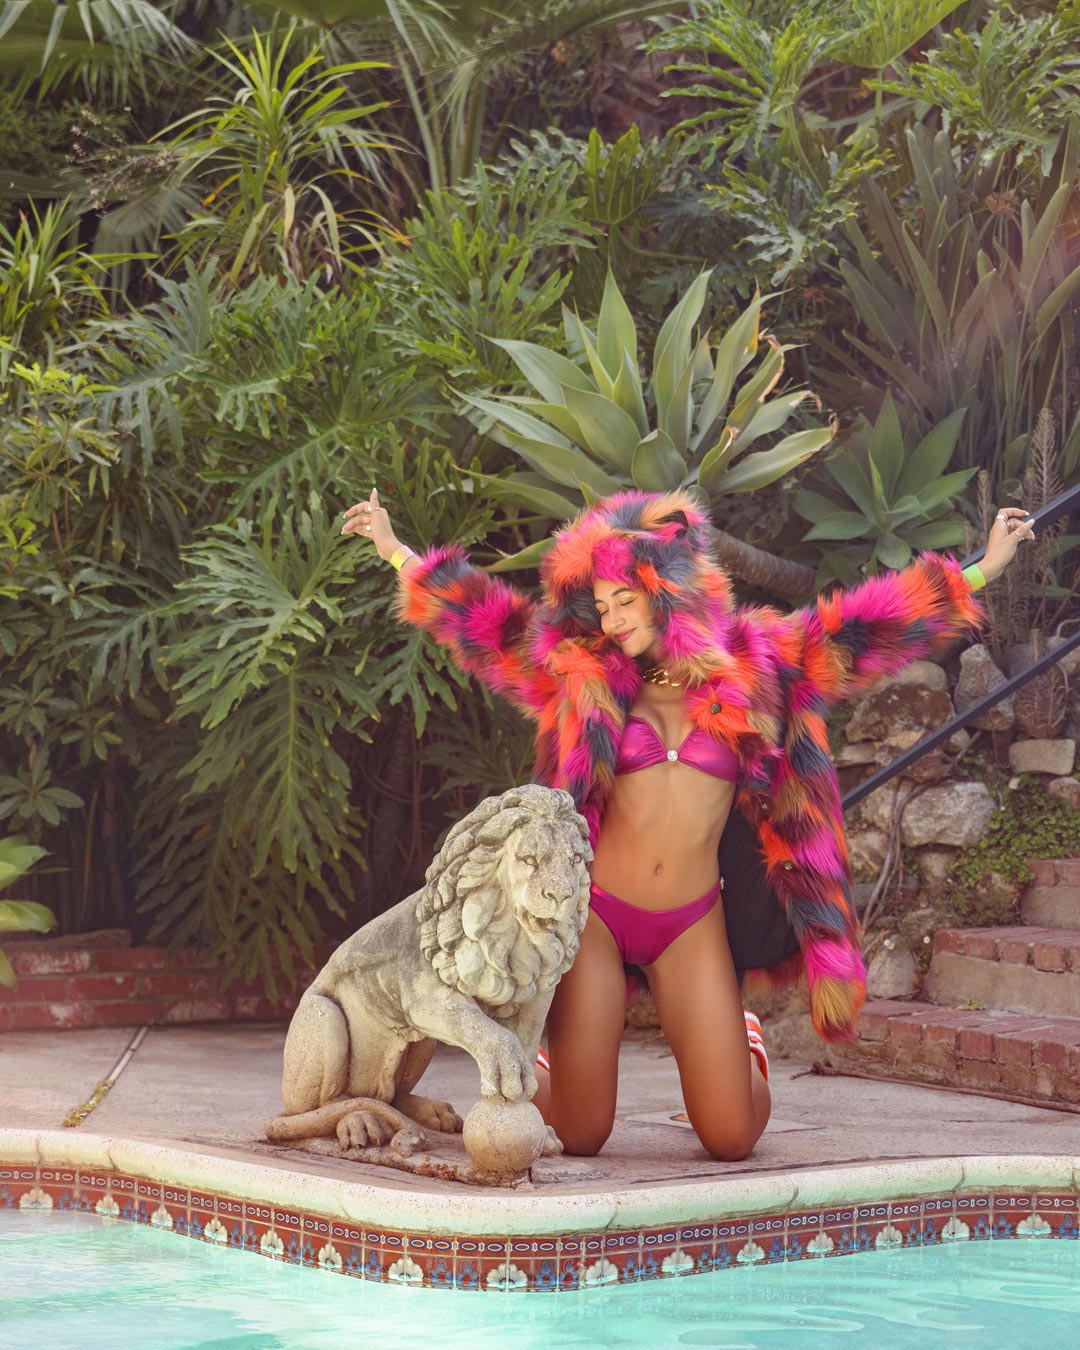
551,1263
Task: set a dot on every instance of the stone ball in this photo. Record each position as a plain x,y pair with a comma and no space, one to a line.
502,1138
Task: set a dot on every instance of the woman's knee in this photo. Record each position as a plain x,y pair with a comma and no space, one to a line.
584,1140
728,1141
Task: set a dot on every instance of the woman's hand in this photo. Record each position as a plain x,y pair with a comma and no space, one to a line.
371,519
1006,534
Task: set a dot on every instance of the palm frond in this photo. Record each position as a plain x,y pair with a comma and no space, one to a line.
105,44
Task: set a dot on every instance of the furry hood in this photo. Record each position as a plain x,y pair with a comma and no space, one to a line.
655,542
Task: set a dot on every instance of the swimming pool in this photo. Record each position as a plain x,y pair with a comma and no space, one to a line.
108,1285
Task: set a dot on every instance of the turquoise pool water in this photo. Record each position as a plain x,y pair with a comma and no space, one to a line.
75,1280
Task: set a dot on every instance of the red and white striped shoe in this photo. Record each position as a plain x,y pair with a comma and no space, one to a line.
757,1043
753,1036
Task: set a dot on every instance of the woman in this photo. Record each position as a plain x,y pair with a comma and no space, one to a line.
661,706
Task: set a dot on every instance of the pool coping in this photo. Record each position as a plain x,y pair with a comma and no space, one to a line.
509,1241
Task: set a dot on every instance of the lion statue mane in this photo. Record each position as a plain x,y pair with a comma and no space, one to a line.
472,959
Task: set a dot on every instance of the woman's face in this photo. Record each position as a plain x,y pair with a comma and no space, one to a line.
624,617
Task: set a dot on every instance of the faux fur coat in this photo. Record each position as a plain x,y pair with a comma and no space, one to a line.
760,680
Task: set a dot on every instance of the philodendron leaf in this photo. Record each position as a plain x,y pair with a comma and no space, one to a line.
546,371
758,471
616,332
658,466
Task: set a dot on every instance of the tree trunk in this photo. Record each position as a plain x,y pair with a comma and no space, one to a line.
790,579
395,809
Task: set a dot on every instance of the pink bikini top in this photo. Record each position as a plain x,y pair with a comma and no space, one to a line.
641,746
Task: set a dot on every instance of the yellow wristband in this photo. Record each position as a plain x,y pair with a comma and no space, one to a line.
401,556
974,576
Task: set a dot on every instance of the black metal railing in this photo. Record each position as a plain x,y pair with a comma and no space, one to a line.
1047,515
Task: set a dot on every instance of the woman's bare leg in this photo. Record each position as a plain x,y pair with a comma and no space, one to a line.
585,1027
696,991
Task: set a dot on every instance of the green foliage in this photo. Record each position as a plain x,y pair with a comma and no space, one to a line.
1006,89
17,856
46,281
207,705
959,308
889,494
268,152
1031,824
107,45
483,264
594,428
793,149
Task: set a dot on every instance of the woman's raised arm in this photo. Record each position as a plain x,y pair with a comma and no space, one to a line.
849,638
488,625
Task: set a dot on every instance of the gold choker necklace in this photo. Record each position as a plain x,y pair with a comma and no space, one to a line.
659,675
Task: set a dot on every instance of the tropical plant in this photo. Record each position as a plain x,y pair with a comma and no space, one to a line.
47,281
888,497
480,264
445,56
267,152
594,427
1006,88
961,308
112,45
1036,596
786,114
17,856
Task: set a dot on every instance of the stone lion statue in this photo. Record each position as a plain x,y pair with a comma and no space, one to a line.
472,959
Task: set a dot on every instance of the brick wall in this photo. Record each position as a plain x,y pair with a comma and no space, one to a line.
62,986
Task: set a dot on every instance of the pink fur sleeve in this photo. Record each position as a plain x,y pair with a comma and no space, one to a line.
849,638
488,625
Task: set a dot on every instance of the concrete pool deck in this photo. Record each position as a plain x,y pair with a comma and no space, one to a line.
208,1090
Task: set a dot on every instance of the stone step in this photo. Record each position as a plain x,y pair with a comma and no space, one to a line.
1022,970
1018,1054
1053,898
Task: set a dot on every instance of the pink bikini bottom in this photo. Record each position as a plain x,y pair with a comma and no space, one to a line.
642,934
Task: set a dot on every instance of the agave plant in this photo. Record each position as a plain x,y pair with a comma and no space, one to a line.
17,856
888,497
594,427
962,307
